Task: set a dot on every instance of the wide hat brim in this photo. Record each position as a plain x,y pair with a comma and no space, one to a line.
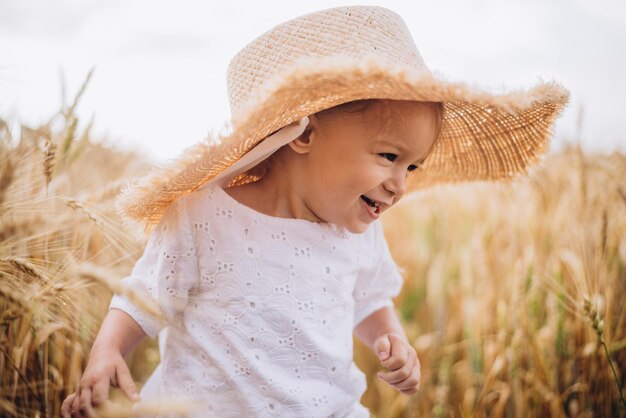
485,136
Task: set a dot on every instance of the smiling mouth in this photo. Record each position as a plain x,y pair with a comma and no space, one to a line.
374,204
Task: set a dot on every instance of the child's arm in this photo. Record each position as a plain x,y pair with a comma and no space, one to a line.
118,335
383,333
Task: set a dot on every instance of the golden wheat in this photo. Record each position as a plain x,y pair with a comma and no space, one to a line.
513,299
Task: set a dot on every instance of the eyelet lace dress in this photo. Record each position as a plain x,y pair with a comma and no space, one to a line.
259,310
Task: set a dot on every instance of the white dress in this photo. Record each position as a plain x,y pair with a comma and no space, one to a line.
265,308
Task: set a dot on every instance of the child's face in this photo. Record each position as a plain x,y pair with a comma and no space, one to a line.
368,155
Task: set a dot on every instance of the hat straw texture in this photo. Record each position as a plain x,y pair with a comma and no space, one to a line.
338,55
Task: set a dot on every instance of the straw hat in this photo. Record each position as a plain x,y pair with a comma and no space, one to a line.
338,55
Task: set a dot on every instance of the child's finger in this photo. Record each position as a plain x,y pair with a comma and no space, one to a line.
85,403
66,408
382,347
125,381
75,408
399,355
400,374
411,391
100,391
412,382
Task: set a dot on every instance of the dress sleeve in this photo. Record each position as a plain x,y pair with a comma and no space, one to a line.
166,272
377,285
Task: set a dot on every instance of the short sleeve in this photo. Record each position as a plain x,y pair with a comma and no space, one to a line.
377,285
166,272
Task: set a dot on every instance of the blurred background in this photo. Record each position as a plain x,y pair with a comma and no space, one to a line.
514,294
159,82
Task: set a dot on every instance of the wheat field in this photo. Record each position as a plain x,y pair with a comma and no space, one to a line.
514,294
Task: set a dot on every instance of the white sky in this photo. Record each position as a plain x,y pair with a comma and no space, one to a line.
159,81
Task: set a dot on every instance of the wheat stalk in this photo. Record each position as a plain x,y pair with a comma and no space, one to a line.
13,296
76,204
26,267
6,177
99,275
49,149
109,190
591,312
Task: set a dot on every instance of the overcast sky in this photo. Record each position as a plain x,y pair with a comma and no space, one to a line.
159,80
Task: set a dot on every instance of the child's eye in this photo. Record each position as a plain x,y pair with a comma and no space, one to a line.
389,156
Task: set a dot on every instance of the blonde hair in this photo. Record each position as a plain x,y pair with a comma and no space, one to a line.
353,108
359,106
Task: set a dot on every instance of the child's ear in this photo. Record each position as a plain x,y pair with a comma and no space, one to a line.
303,143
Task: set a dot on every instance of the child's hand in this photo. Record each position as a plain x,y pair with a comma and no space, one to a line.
400,359
106,367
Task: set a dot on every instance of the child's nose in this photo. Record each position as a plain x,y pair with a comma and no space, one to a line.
397,184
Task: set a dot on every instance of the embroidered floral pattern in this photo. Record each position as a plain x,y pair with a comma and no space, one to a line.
266,308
